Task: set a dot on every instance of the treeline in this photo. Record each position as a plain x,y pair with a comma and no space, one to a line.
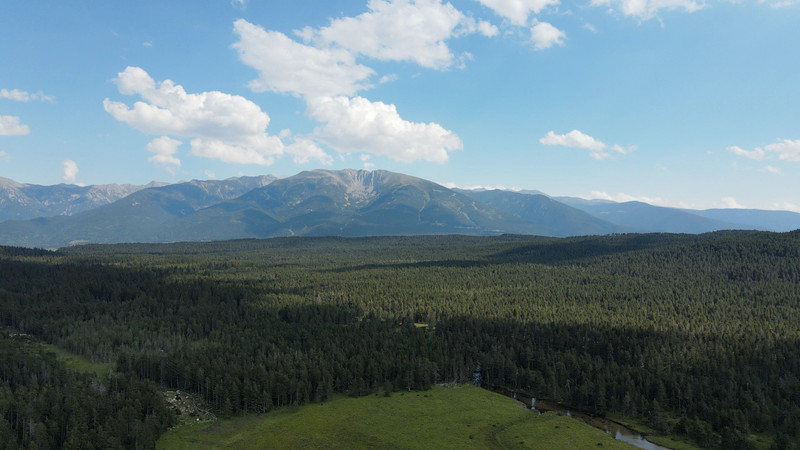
45,405
696,334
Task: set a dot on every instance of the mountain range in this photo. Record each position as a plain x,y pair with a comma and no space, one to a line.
324,202
19,201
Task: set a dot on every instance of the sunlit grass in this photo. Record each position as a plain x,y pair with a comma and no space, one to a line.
79,363
445,417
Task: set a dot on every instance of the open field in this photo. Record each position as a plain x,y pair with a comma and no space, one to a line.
79,363
460,416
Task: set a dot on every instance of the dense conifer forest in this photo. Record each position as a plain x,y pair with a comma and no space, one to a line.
696,334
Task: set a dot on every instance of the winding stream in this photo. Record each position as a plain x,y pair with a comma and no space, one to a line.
616,429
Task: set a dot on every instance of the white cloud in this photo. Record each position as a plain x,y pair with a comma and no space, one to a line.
287,66
785,206
784,150
3,155
576,139
165,148
487,29
545,35
400,30
359,125
232,153
365,159
326,75
782,4
11,126
772,169
731,203
222,126
70,172
648,9
517,11
304,150
623,150
22,96
758,154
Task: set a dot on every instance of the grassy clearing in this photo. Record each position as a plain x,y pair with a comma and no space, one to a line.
445,417
79,363
75,362
761,441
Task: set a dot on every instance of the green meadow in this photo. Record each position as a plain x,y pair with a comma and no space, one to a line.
461,416
78,362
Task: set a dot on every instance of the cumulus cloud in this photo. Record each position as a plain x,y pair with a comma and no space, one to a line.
287,66
545,35
325,74
165,148
367,165
359,125
304,150
400,30
731,203
221,126
23,96
70,171
232,153
576,139
487,29
648,9
517,11
11,126
573,139
784,150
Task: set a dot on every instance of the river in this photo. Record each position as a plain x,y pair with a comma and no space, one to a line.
616,429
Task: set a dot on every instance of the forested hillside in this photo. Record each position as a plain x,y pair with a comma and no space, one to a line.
46,405
697,334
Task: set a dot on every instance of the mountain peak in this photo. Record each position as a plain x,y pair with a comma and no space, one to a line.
6,183
347,202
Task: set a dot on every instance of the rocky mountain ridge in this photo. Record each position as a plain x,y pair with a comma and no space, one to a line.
329,202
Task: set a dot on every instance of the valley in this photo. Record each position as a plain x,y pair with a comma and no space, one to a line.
693,335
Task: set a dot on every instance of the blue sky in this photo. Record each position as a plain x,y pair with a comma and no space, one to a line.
676,102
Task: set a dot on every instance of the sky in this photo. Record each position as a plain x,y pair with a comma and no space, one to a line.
686,103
